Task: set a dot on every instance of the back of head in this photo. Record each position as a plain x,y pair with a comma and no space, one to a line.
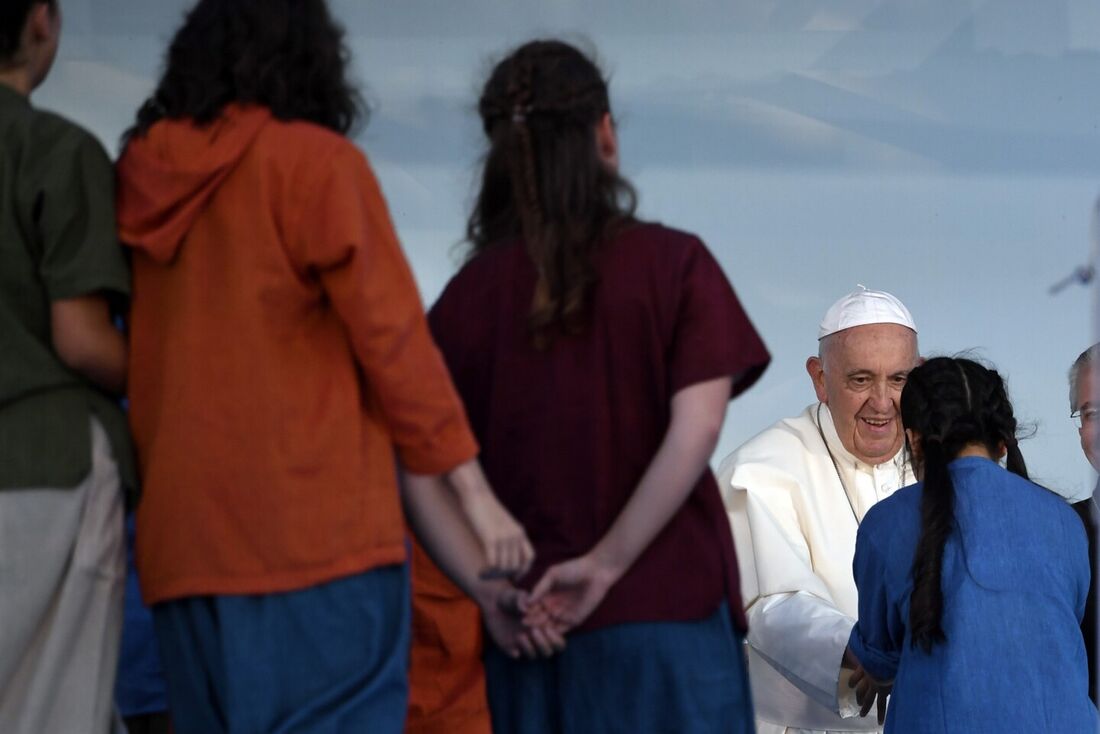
13,18
543,177
951,403
286,55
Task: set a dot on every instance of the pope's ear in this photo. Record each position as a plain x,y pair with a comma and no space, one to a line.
816,371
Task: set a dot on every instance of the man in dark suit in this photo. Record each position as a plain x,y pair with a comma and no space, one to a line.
1084,398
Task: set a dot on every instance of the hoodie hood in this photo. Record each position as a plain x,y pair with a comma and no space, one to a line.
167,176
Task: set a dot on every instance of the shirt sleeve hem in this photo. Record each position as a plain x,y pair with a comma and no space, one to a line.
881,667
439,457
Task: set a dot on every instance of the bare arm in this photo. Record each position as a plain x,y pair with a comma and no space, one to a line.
573,589
87,341
438,522
506,546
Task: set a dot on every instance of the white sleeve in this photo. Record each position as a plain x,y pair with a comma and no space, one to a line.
803,637
794,623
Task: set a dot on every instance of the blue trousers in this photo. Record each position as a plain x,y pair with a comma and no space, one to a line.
641,678
329,659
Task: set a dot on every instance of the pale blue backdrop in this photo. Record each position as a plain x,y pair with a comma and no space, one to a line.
945,150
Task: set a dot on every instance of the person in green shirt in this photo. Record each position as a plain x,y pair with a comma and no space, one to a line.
65,457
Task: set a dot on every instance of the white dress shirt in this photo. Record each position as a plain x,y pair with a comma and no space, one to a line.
794,514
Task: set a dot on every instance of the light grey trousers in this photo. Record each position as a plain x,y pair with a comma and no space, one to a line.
62,576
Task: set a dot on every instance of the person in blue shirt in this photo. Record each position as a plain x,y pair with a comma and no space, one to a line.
972,582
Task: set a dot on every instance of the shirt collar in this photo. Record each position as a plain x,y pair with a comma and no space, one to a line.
845,457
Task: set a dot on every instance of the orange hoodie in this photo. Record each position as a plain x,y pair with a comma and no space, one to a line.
279,359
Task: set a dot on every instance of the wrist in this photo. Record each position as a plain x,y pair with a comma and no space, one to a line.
467,481
487,594
609,567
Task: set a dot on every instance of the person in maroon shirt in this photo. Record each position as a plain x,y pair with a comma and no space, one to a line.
596,355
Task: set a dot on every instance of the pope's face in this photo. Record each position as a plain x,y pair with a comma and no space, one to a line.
1088,396
860,376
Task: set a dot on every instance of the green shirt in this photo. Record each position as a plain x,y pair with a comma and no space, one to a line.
57,241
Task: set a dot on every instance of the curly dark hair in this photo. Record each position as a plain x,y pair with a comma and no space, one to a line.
13,16
286,55
951,402
543,179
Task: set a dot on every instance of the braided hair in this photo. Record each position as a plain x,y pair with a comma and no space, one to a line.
543,179
951,403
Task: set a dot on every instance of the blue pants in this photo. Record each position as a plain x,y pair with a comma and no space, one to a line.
329,659
641,678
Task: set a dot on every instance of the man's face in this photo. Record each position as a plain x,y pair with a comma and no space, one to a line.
1088,396
860,376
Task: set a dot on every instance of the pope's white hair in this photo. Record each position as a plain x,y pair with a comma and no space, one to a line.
1086,359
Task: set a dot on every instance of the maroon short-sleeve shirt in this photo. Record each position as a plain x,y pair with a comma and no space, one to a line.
567,433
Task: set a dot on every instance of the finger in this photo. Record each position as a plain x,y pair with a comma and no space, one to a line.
526,645
545,584
881,708
536,616
558,610
513,555
861,692
555,636
521,600
545,648
867,703
528,556
492,555
501,554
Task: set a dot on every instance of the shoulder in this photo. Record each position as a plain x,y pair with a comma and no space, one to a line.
656,241
1035,496
57,136
478,278
312,151
778,453
891,518
480,270
1047,501
300,136
776,442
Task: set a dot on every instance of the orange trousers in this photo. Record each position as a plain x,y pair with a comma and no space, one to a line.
446,677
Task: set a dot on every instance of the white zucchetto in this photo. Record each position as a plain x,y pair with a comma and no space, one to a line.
862,307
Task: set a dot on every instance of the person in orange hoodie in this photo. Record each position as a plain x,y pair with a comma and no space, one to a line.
282,374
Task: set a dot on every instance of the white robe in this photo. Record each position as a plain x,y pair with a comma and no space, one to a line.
794,526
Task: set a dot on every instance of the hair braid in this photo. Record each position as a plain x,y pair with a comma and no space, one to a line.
543,179
951,403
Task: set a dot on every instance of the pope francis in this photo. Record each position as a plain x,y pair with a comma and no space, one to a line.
796,493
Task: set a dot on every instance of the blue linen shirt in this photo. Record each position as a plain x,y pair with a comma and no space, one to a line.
1015,578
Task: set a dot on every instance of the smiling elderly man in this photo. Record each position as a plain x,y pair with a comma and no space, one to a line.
796,494
1084,404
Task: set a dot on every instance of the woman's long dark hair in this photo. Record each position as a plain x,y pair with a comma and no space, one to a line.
544,180
951,403
286,55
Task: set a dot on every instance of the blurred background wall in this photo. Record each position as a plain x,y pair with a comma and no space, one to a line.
947,151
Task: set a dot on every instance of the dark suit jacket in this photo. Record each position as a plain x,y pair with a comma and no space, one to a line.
1088,512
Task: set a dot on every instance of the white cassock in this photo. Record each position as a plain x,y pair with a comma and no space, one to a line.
795,509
